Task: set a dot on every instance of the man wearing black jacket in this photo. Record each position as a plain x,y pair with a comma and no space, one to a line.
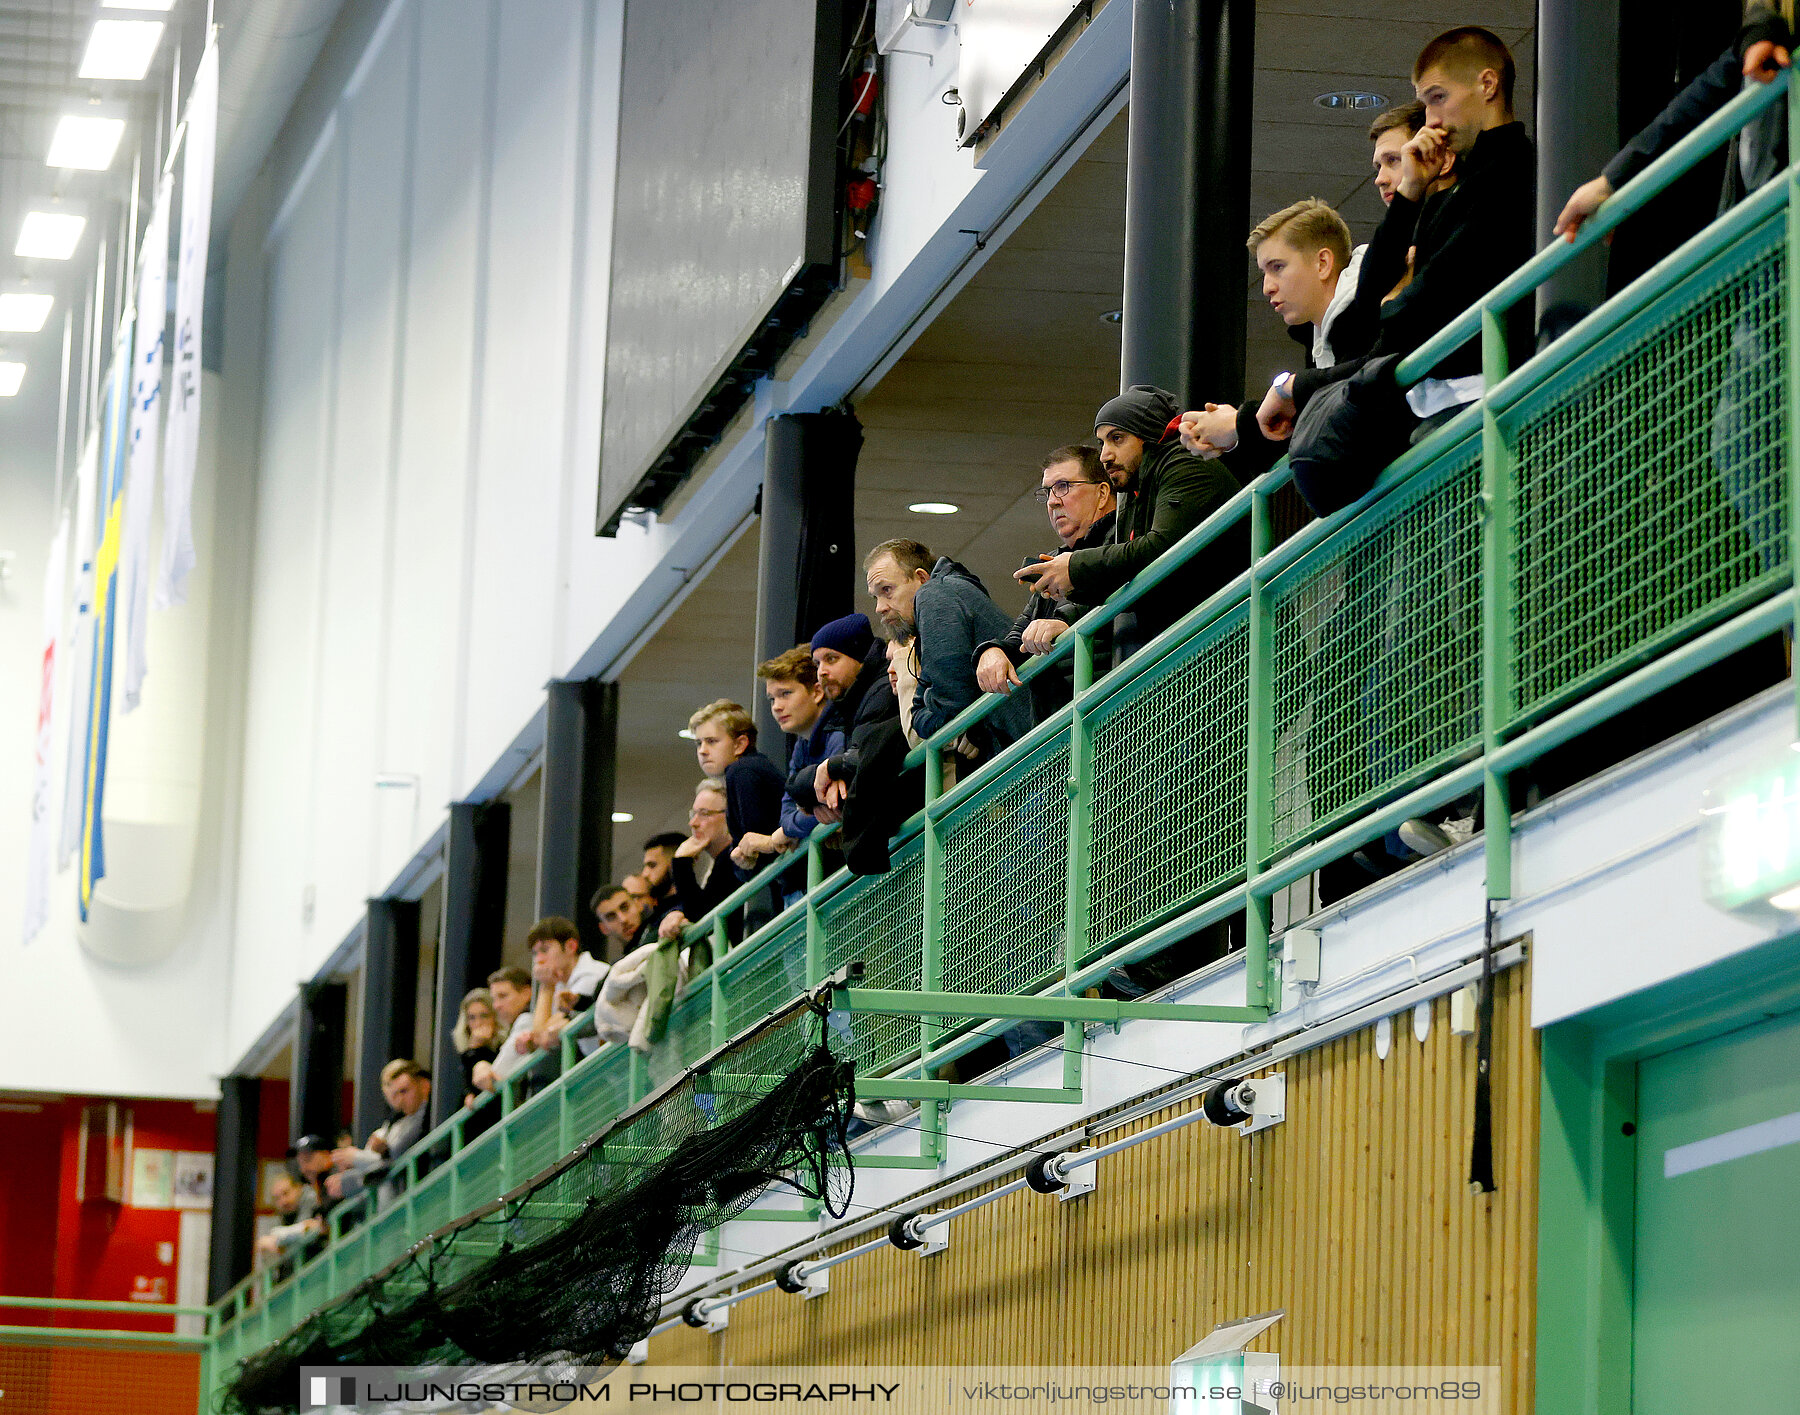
1164,492
1081,504
1465,240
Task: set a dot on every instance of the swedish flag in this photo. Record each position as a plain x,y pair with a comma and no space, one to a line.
111,501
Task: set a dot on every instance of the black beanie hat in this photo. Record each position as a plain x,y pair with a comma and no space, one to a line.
1144,410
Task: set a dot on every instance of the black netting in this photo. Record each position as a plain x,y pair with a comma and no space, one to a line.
576,1263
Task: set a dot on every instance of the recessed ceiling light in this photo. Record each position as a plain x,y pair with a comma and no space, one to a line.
934,508
1351,100
1113,317
22,313
620,817
684,733
11,375
50,235
121,49
87,143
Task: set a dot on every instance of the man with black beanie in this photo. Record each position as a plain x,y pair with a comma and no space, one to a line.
1164,492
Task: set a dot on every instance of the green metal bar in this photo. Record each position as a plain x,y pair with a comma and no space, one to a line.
1077,908
1632,197
1259,742
806,1213
721,1015
918,1161
1496,610
1791,316
88,1336
931,1112
637,1083
83,1304
955,1091
815,919
893,1002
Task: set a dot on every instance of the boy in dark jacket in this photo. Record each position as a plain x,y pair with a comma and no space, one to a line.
798,702
725,745
948,612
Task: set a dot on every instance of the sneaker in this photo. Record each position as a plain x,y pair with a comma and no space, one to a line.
1424,838
1459,829
884,1112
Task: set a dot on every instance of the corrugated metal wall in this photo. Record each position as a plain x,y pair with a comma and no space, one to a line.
1355,1215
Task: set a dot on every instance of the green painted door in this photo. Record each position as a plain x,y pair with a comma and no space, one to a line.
1716,1310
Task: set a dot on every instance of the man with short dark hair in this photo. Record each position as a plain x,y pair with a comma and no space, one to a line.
947,611
1080,502
620,914
657,872
1164,491
511,989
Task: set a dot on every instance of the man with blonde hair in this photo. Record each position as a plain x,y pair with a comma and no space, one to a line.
725,746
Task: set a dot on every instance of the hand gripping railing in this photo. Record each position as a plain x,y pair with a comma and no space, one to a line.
1503,747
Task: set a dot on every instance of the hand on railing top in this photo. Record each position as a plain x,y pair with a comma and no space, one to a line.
1764,59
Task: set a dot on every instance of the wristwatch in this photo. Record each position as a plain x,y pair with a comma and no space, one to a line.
1282,383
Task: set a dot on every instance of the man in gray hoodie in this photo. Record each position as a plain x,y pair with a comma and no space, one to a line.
948,612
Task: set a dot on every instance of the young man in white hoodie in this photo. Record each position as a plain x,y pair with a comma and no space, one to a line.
1309,276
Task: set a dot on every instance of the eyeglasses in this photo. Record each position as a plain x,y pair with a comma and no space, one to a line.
700,811
1058,491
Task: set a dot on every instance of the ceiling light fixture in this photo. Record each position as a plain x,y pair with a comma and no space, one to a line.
85,143
23,313
1113,317
11,376
1351,100
621,817
684,733
934,508
50,235
121,49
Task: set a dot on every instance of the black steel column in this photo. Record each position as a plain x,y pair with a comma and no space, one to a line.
575,835
390,999
806,570
474,928
316,1103
1578,132
1187,197
234,1184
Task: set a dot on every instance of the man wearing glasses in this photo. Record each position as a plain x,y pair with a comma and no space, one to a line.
703,877
1080,502
1164,491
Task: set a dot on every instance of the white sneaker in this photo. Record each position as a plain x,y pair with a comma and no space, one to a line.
884,1112
1422,837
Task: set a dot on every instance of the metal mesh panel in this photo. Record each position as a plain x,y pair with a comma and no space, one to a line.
600,1091
1651,492
1377,642
1005,878
478,1176
776,974
431,1203
1169,752
880,920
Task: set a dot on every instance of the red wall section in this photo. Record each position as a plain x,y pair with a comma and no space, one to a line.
31,1141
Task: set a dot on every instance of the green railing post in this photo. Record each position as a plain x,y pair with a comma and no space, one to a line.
932,962
1496,609
1792,320
565,1113
637,1077
505,1129
721,1016
815,921
1259,742
1078,907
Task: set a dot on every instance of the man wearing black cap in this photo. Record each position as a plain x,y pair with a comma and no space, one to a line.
1164,492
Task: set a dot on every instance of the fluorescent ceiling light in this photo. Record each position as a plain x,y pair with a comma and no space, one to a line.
934,508
620,817
121,49
87,143
50,235
24,314
137,4
11,375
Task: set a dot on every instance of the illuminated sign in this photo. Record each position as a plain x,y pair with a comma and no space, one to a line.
1750,841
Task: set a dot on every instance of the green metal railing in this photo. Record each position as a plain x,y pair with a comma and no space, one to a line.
1612,517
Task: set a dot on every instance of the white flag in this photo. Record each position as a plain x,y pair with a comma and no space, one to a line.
146,412
81,652
182,442
37,878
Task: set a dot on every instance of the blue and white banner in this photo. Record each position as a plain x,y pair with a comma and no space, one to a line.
80,651
146,413
113,423
181,446
40,849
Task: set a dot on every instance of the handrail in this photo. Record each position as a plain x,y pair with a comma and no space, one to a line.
1268,869
1649,184
88,1304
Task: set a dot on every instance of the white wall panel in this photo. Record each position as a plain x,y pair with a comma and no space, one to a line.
275,851
524,371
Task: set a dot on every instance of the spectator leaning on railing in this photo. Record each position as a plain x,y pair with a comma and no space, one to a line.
703,875
511,990
1164,491
658,874
798,703
406,1086
1081,504
476,1036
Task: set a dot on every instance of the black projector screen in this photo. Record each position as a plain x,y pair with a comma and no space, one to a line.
726,169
